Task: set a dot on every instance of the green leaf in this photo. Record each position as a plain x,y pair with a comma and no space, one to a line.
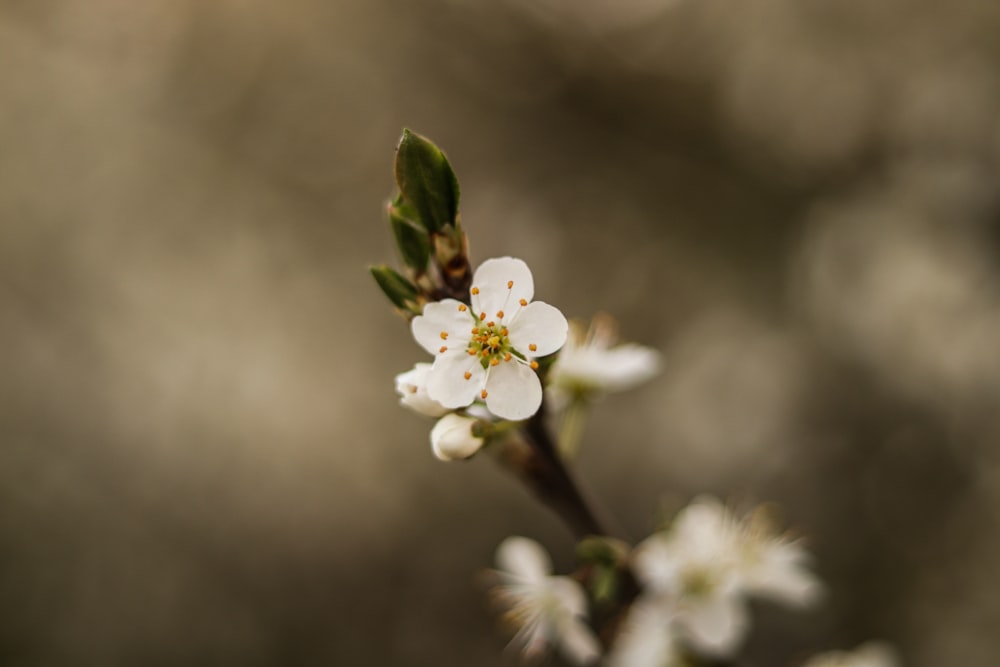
426,182
400,291
413,242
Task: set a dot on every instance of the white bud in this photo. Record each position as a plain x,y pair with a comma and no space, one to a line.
452,438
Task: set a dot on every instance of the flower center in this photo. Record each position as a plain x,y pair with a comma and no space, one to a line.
490,342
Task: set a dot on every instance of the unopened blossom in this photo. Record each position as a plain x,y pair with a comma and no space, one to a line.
591,362
412,389
452,438
871,654
486,351
549,611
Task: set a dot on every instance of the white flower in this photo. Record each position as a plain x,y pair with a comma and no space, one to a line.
591,363
412,389
487,351
871,654
452,438
706,565
549,611
691,568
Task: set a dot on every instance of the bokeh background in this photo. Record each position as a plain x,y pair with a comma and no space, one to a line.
201,457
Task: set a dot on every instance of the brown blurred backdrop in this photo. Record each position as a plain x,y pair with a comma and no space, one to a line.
201,457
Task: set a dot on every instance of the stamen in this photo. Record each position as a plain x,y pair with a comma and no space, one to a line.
486,353
494,342
444,335
503,332
468,375
482,316
444,348
534,365
472,353
413,389
532,347
510,283
507,356
524,302
475,330
494,362
462,308
474,290
499,314
483,394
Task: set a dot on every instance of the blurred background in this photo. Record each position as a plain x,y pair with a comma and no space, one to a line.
201,456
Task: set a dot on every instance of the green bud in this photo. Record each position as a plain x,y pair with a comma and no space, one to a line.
426,182
604,584
414,245
400,291
602,550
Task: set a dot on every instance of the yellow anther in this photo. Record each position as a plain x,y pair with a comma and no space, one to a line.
486,353
468,375
482,316
534,365
472,353
413,389
510,283
524,302
475,290
503,332
507,357
499,314
494,362
462,308
483,394
532,347
444,335
494,341
475,330
443,348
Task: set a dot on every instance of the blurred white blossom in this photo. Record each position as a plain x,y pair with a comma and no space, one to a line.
452,438
871,654
700,572
592,363
487,351
648,636
412,389
549,611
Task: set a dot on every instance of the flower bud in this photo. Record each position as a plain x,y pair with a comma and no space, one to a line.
452,438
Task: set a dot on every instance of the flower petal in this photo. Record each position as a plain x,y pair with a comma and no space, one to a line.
412,389
513,391
442,316
541,325
490,293
647,637
524,558
717,624
447,384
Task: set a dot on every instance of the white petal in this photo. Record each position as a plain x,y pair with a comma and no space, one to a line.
541,325
656,564
647,637
513,391
578,642
717,624
491,280
412,389
446,383
524,558
778,571
452,438
442,316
